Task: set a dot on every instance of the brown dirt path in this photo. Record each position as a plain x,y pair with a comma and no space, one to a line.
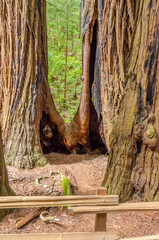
86,172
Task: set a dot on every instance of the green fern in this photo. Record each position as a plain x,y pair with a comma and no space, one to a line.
66,186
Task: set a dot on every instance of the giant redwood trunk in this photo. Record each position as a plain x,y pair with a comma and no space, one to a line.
127,71
5,189
23,60
28,115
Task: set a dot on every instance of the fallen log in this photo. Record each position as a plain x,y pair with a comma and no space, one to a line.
30,217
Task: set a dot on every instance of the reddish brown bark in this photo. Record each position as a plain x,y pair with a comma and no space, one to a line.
128,33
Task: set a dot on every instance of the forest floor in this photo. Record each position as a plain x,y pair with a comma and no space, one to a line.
86,173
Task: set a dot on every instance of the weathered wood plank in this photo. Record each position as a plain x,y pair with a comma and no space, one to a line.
43,201
108,198
100,219
61,236
142,206
154,237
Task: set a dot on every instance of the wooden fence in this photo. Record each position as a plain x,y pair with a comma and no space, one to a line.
100,204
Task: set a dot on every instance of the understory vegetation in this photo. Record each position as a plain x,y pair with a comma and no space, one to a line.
64,55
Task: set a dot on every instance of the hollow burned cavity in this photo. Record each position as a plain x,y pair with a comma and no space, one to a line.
52,141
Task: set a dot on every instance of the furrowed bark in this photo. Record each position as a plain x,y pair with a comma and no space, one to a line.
130,74
23,75
128,40
25,94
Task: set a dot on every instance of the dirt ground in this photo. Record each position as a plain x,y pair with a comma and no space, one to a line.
86,173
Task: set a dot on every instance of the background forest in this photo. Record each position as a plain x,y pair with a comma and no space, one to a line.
64,55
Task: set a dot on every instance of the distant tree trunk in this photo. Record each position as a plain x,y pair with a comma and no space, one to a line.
80,17
66,52
128,57
5,189
28,114
59,24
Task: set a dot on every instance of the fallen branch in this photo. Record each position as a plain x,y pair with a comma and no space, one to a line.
30,217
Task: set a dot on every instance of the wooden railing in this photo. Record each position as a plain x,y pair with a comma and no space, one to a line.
61,236
47,201
126,207
100,204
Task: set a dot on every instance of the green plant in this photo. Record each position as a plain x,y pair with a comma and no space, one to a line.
66,186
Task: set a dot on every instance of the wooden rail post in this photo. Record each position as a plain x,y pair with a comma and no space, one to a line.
101,218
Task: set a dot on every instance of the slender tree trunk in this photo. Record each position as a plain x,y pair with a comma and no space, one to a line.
74,42
66,53
80,17
59,24
5,189
76,132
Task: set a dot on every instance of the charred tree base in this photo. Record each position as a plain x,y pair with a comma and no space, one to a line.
52,141
82,134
